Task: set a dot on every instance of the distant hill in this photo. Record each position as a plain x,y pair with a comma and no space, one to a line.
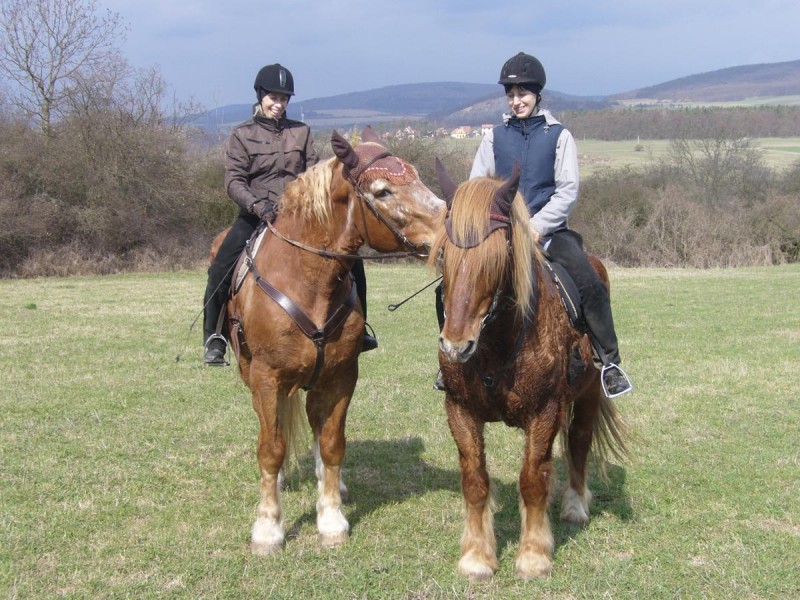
453,103
725,85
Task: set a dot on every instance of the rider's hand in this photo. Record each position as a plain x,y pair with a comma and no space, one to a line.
263,210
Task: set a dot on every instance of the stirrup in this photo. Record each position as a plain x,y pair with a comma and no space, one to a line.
610,368
207,348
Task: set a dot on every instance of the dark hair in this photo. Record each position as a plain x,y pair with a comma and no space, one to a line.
533,88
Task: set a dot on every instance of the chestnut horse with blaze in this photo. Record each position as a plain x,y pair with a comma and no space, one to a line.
296,324
509,353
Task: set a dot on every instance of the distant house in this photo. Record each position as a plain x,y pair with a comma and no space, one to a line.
407,133
486,128
458,133
461,133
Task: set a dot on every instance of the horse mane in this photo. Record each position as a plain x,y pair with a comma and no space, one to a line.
489,261
309,196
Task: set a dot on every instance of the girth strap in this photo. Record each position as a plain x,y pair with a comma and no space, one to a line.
318,335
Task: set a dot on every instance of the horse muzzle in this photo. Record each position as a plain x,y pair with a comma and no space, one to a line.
457,352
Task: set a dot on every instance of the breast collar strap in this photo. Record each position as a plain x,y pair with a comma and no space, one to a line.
318,335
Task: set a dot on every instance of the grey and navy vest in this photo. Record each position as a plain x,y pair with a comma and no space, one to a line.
532,142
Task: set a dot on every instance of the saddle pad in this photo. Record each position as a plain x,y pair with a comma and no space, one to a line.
568,291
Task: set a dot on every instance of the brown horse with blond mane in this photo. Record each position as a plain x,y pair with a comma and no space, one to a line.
509,353
296,324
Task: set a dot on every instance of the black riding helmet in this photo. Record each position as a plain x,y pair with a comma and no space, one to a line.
523,70
274,78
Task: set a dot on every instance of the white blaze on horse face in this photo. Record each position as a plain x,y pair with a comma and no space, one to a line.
412,208
465,313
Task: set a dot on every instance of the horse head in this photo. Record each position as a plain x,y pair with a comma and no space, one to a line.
389,205
484,252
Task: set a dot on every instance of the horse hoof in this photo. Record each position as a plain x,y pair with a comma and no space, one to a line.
475,570
265,549
574,515
331,540
575,508
533,567
266,538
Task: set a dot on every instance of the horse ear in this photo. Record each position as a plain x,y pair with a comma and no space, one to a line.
343,150
505,194
445,182
369,135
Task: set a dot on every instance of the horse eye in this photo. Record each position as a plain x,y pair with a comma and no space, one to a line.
382,193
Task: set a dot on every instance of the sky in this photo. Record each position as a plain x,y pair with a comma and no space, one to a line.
209,51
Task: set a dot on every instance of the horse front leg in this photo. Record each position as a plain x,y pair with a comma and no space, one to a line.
478,545
268,536
535,555
327,415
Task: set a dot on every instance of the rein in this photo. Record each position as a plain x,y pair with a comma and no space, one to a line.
329,254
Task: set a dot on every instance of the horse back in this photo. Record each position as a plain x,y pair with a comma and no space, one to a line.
216,243
600,268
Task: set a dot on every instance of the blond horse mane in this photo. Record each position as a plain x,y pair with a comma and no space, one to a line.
469,216
309,196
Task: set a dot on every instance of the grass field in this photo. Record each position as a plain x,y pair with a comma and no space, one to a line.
127,474
778,153
595,155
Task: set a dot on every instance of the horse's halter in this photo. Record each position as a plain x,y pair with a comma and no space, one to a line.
353,174
499,218
354,177
496,306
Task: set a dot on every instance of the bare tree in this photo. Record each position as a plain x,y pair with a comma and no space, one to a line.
45,46
720,165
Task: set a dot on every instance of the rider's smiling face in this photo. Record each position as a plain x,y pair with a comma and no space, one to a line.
522,102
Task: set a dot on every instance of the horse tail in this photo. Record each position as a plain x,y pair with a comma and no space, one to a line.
292,420
610,432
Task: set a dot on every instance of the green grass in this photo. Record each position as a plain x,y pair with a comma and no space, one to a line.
594,155
124,473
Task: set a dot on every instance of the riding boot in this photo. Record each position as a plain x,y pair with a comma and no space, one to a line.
599,321
370,341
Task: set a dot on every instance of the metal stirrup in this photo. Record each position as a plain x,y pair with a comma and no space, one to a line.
613,367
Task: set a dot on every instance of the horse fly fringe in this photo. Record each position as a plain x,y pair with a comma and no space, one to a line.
292,420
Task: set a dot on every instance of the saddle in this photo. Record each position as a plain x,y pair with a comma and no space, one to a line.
240,270
568,292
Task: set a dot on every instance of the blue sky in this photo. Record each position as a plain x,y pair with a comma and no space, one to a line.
210,51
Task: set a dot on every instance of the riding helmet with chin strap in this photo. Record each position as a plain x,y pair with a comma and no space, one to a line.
274,78
525,71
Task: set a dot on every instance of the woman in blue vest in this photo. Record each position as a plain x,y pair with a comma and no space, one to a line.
548,161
